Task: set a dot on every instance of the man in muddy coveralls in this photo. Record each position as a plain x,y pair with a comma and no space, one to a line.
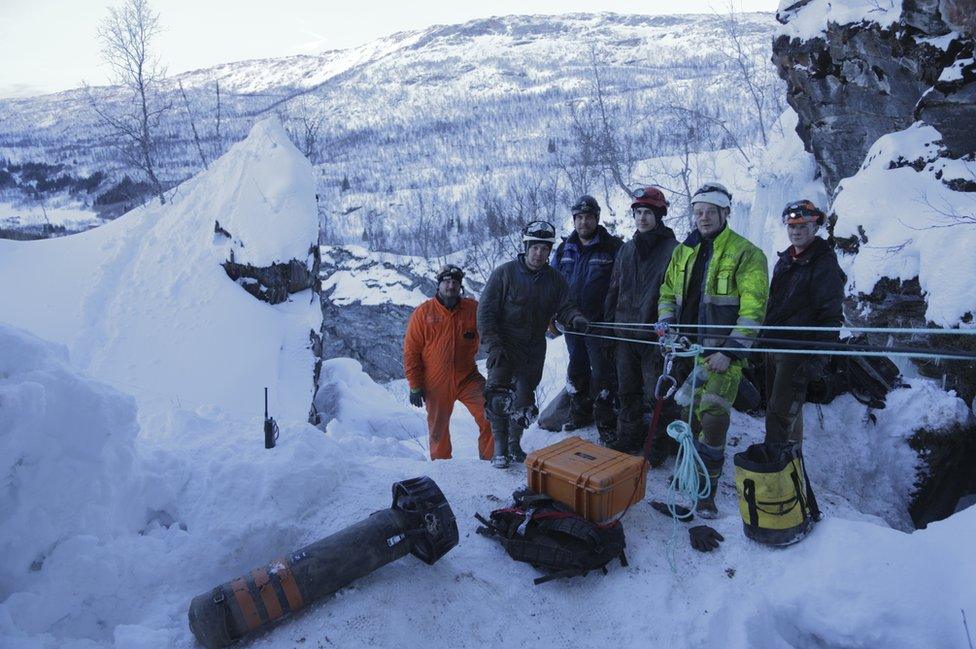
517,304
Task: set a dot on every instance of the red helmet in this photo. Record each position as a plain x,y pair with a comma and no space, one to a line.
651,197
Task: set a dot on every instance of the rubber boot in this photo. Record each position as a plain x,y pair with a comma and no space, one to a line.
515,452
499,430
580,411
605,417
629,436
714,458
661,447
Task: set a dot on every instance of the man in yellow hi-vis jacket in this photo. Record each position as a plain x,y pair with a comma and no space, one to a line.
715,277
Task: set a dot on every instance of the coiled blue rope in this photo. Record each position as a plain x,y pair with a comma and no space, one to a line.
690,481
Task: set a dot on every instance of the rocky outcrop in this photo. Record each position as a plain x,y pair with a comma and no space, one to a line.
274,283
886,98
367,299
855,82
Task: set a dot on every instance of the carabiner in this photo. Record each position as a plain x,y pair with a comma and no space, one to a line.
662,380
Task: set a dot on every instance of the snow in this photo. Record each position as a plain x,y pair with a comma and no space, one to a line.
785,173
811,19
143,303
12,215
954,72
213,498
134,475
380,286
914,223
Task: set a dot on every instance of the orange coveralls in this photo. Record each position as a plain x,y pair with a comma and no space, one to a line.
438,356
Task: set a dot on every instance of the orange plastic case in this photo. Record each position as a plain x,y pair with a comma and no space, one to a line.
596,482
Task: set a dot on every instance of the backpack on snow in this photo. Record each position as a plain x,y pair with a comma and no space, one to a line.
551,537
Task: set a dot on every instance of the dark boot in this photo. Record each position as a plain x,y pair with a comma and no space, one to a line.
580,411
605,416
499,430
713,458
515,452
630,436
662,446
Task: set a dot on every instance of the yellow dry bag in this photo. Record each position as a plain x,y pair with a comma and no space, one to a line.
776,501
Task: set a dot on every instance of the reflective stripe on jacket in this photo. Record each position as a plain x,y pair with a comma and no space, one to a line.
736,288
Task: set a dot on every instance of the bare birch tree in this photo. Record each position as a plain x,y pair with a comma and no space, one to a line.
127,36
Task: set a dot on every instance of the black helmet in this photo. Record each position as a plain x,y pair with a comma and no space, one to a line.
586,204
450,271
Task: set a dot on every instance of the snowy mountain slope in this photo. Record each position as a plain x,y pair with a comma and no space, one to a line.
144,304
423,120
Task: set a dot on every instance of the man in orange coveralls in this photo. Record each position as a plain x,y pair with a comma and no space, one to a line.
438,359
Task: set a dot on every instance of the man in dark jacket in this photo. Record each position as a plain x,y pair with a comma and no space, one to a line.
807,289
517,304
585,259
634,290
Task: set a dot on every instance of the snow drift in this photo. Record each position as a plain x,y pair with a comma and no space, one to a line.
143,304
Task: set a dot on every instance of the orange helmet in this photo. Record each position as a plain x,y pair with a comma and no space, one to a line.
803,211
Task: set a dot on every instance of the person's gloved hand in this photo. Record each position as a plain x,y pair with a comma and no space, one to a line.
417,397
661,329
704,538
552,332
580,323
718,362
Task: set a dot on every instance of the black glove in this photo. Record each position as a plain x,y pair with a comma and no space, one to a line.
417,397
580,323
704,538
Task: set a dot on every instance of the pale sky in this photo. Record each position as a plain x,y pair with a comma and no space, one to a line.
50,45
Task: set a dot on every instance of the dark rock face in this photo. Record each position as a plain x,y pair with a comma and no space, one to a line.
950,106
946,477
274,283
370,333
858,83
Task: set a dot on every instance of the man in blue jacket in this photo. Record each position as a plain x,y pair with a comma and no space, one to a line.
585,259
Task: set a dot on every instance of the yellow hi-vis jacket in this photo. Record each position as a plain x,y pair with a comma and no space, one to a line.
736,288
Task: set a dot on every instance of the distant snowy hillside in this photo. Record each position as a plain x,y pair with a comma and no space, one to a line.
144,304
430,124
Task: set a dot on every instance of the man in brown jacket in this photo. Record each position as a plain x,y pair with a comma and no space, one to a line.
518,302
438,359
635,287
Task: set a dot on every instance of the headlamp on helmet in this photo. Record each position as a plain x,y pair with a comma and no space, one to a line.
803,211
539,232
650,197
450,271
586,204
714,193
